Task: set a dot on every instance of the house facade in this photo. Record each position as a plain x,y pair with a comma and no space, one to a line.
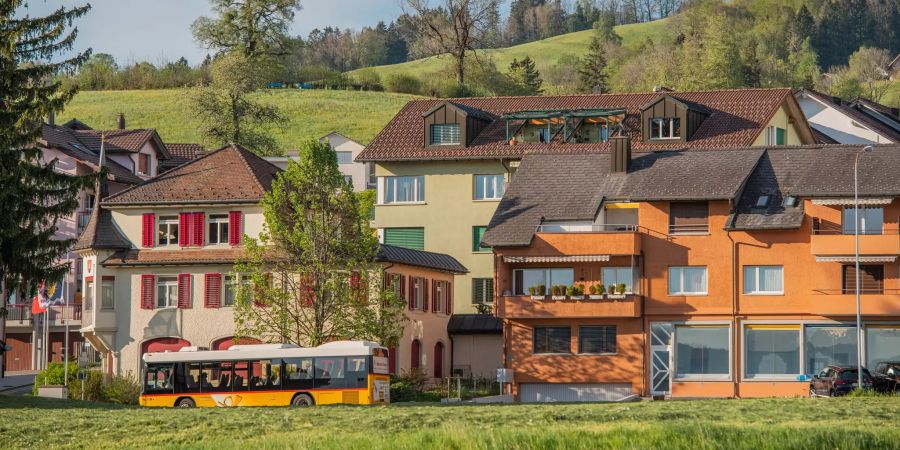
442,166
725,273
855,122
360,175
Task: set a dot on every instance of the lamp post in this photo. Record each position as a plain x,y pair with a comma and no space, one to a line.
859,364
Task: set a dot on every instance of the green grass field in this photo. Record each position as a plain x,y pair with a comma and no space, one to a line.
545,52
844,423
311,114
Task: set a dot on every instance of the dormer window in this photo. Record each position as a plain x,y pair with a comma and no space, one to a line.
143,164
762,201
665,128
445,134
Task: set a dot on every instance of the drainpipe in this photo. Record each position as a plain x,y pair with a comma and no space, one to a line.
734,327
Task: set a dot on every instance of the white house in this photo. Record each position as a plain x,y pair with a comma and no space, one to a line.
362,175
857,122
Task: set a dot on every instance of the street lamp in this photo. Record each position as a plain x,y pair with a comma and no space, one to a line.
859,364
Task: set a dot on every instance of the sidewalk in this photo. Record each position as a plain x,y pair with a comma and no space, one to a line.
17,383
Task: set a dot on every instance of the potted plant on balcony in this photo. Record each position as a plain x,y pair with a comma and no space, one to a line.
558,292
576,292
597,291
617,291
537,292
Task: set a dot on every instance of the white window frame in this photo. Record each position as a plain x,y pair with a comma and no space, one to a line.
755,290
458,134
170,283
485,180
228,284
658,121
340,153
218,220
169,222
548,278
606,282
418,183
418,293
88,297
439,302
111,284
680,274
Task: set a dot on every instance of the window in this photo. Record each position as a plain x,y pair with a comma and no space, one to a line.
829,345
418,300
772,351
871,279
89,200
445,134
763,280
266,375
441,301
413,238
882,344
410,189
775,135
218,228
167,292
231,288
216,376
143,164
871,220
701,351
89,295
298,373
688,217
159,378
482,290
415,354
107,298
488,187
526,278
597,339
477,234
665,128
552,340
344,157
687,280
762,201
616,275
167,230
357,372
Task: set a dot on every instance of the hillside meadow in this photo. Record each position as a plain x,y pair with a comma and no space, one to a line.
311,113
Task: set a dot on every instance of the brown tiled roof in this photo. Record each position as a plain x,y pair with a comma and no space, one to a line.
231,174
737,118
101,233
182,153
180,257
63,139
129,141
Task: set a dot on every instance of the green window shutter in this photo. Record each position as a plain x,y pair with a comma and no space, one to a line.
413,238
482,290
780,136
477,234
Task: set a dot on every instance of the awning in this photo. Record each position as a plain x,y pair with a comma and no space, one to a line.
848,201
862,259
555,259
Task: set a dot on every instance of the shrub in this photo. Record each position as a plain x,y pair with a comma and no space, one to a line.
541,289
593,289
408,386
532,290
369,80
458,91
612,289
601,289
54,374
123,389
404,84
620,288
93,387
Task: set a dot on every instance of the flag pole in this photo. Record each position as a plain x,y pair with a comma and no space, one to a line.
66,340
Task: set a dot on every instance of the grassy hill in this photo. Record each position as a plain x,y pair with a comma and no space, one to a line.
311,114
545,52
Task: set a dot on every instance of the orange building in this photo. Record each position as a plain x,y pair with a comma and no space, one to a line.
725,273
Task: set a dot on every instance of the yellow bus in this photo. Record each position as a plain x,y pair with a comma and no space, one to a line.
353,372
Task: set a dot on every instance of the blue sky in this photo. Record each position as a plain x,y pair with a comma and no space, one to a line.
159,30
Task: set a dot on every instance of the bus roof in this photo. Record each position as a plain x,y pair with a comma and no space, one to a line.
264,351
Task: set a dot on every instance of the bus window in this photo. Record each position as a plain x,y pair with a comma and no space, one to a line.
266,374
330,372
187,378
215,377
159,379
357,372
241,376
298,373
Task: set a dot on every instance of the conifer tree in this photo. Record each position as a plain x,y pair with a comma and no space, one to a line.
592,72
33,194
526,76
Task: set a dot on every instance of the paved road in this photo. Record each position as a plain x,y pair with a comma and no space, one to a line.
16,383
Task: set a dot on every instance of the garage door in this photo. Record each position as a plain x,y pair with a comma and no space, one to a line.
554,392
19,358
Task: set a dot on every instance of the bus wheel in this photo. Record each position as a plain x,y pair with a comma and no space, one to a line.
185,403
302,400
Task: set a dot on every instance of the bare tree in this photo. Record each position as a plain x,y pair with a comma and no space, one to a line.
457,27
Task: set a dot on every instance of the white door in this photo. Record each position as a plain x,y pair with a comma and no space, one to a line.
661,358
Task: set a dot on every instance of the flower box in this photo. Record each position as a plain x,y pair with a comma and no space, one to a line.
576,297
538,297
616,296
595,297
558,297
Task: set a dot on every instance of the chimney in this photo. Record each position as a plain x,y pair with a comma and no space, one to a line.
619,154
120,121
51,119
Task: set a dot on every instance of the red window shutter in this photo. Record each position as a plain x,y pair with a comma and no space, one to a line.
235,232
403,293
414,356
449,310
147,238
411,294
212,290
392,359
184,229
199,219
423,286
184,290
146,291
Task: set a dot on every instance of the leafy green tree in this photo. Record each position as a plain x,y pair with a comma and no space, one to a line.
313,273
871,66
99,72
592,71
524,74
604,29
250,27
227,111
34,194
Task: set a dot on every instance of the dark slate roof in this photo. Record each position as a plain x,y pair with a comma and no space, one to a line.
62,139
101,233
736,118
551,187
766,180
474,324
419,258
823,138
231,174
856,110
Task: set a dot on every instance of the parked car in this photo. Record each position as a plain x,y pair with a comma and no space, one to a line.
834,380
887,376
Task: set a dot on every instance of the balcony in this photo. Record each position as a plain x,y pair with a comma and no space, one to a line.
873,302
830,242
18,315
83,219
524,307
65,314
578,239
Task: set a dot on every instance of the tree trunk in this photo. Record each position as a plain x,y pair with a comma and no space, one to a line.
461,68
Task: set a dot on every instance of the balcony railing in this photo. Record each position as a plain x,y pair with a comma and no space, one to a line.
592,228
689,229
18,312
63,313
852,291
523,306
83,219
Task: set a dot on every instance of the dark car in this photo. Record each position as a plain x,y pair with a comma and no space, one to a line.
835,380
887,376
